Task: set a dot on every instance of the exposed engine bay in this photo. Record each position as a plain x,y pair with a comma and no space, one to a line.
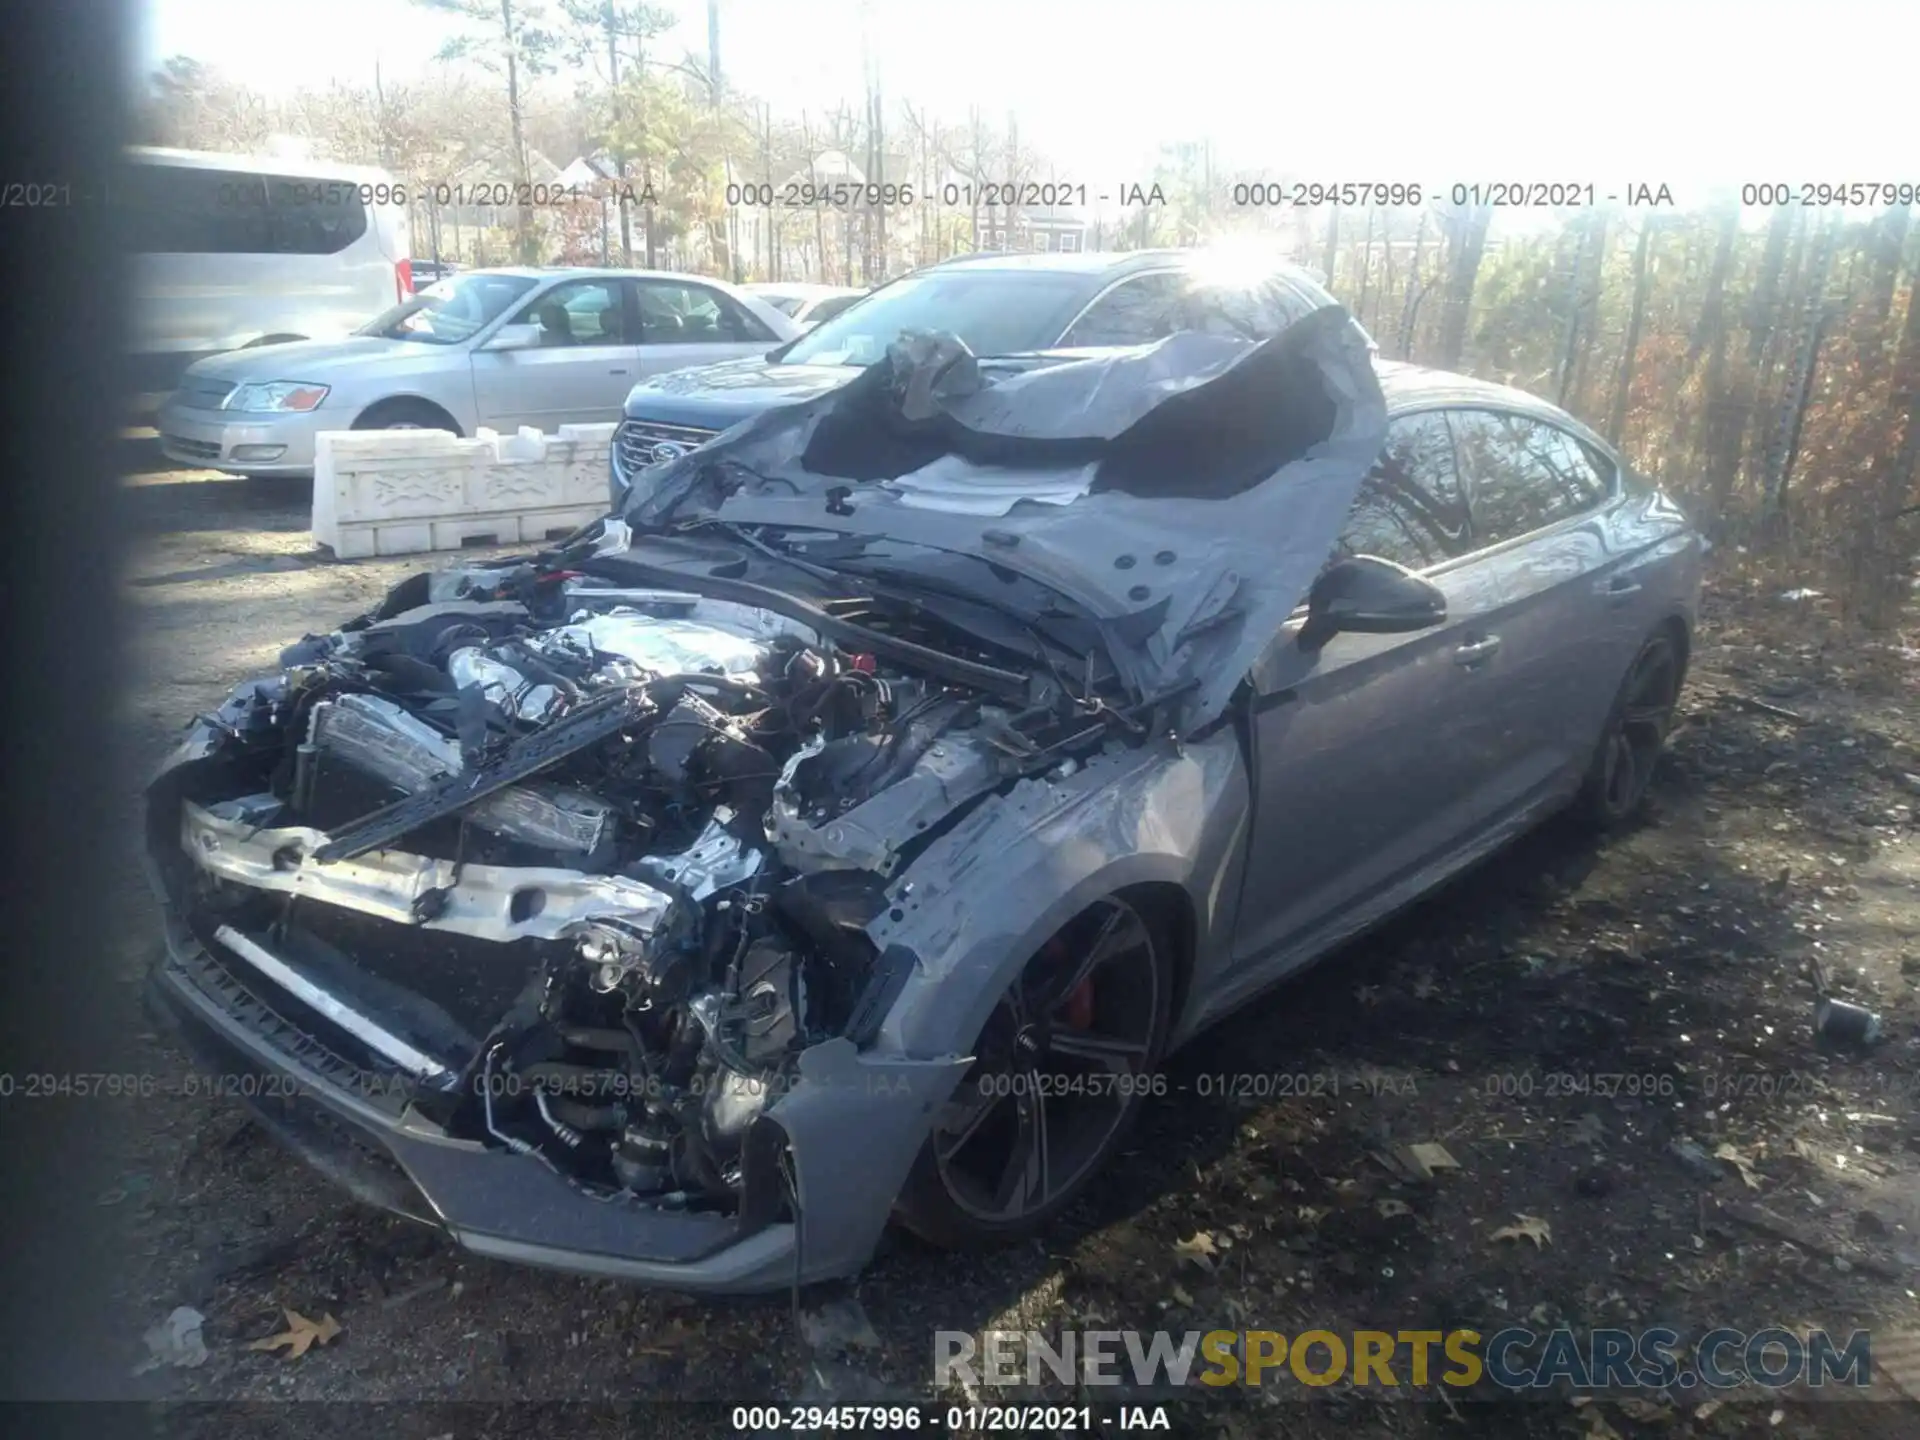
580,867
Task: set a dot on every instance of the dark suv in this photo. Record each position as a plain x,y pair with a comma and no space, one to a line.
998,304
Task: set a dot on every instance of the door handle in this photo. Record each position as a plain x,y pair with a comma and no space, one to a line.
1474,651
616,372
1620,588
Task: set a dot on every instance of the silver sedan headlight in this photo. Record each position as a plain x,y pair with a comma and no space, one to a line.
283,396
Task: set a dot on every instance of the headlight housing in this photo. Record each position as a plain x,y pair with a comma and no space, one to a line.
276,395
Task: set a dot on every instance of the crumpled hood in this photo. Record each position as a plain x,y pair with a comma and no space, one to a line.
1185,494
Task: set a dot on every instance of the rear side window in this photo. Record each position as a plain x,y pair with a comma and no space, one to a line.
188,210
1410,508
827,309
581,312
673,313
1522,474
184,210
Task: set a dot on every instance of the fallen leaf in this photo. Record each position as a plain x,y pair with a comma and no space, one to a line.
1739,1162
1634,1408
1389,1208
300,1334
1708,1410
1526,1227
1598,1429
1433,1155
1199,1248
1181,1297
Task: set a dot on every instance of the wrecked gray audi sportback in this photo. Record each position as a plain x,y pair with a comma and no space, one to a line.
848,827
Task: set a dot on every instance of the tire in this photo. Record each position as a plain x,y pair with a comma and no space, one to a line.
1096,1001
405,415
1614,792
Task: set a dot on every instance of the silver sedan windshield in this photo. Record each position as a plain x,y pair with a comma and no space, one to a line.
450,310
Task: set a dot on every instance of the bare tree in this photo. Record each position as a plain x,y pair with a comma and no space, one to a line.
1630,348
1466,232
509,38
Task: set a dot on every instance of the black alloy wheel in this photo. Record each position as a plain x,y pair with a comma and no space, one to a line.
1623,765
1060,1070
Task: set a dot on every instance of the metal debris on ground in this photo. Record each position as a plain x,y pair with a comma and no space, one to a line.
1845,1023
175,1341
837,1326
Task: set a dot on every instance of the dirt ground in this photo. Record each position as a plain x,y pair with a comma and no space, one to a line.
1616,1039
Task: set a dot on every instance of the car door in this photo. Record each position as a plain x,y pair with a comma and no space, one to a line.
581,370
1366,753
1573,609
684,323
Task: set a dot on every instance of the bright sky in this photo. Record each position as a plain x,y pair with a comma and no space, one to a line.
1695,93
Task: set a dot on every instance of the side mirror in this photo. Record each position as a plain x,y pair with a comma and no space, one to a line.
513,337
1369,596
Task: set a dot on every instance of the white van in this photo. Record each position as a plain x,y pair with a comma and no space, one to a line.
232,251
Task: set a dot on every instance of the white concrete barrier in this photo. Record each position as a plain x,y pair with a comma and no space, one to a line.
397,492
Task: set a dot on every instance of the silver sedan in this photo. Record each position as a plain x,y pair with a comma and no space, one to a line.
497,348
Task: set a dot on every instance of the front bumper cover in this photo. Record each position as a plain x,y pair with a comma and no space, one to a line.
852,1124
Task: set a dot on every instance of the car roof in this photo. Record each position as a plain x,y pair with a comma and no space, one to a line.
1415,387
1102,263
558,272
289,166
799,289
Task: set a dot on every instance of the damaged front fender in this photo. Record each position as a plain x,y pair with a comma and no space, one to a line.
1169,815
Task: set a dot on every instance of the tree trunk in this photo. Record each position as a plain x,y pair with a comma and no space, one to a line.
1800,379
1333,245
1415,283
619,152
1623,381
1890,242
876,176
1366,269
1385,297
1724,415
1886,544
1589,312
527,237
1465,245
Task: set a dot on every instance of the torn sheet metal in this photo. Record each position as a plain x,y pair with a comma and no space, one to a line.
488,902
1186,494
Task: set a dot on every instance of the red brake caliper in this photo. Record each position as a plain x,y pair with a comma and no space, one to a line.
1077,1009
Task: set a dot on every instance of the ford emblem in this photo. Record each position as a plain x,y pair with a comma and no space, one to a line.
666,450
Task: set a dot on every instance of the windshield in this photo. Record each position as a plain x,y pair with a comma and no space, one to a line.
996,312
451,310
785,304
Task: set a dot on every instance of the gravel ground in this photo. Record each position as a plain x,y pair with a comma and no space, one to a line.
1783,834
